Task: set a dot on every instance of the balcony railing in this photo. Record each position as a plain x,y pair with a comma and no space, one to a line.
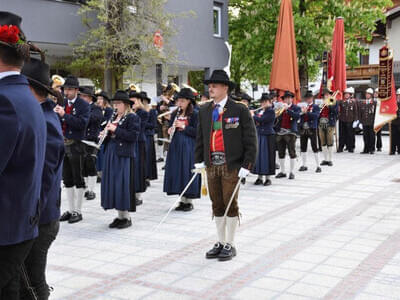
362,72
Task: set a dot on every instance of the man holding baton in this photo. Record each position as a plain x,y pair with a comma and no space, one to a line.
226,145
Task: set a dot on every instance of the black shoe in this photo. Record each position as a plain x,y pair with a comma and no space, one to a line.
280,175
324,163
163,168
180,206
364,152
124,223
91,196
187,207
243,181
75,218
227,253
303,168
291,176
340,150
160,159
98,179
65,216
371,152
330,164
215,251
258,182
138,202
267,182
115,223
318,170
379,150
391,153
147,183
86,194
351,150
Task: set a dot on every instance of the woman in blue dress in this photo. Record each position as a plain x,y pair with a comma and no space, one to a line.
141,157
151,125
180,158
264,120
117,183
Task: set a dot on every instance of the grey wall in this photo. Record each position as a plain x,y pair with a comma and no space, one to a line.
55,24
195,41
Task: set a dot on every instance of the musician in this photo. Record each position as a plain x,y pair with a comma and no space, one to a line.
379,133
366,115
74,118
22,155
180,157
93,129
166,101
395,129
150,126
286,133
348,114
103,101
308,131
38,73
264,120
226,144
118,182
327,127
245,99
140,157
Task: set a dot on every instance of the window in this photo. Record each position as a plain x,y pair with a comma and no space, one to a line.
364,58
217,20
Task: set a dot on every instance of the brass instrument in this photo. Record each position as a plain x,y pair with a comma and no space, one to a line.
57,81
331,100
279,109
134,88
170,90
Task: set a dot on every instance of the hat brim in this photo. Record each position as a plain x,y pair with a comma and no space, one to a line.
229,83
47,88
70,86
123,100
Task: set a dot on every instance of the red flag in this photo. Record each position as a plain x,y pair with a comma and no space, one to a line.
338,60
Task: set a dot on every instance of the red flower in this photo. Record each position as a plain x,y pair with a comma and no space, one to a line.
9,34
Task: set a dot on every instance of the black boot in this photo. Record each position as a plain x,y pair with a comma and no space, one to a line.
75,218
324,163
227,253
280,175
215,251
114,223
65,216
258,181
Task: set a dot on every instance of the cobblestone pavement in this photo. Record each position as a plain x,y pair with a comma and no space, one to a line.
334,235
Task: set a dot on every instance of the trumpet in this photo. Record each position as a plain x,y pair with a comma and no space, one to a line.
279,108
331,100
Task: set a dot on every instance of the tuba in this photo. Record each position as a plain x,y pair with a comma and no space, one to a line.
134,88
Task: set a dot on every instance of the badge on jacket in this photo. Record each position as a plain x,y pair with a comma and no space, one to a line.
231,122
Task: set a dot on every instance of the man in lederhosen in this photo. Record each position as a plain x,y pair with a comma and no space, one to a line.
347,116
74,118
286,133
226,144
308,131
327,127
366,115
93,129
22,155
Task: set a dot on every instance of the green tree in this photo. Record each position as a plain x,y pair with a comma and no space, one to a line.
253,26
120,36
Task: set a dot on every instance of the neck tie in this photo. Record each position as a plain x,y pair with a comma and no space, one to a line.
215,113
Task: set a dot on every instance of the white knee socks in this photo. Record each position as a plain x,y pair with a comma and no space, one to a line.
70,198
282,163
231,224
79,199
292,164
221,229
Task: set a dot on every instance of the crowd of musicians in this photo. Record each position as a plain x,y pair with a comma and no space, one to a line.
58,131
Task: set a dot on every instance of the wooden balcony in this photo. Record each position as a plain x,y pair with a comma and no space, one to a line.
362,72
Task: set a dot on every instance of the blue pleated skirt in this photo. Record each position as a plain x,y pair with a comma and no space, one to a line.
151,163
140,167
117,182
179,165
265,163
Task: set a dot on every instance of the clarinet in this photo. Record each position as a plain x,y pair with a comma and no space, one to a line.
173,125
103,137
